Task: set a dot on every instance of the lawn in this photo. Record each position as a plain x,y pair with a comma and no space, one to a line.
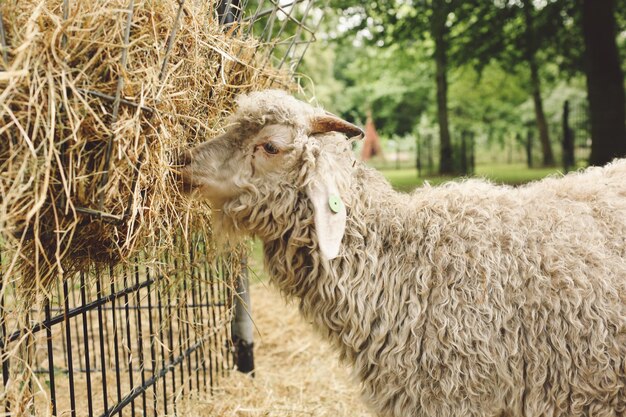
513,174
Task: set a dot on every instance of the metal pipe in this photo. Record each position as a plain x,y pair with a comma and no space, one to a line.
241,326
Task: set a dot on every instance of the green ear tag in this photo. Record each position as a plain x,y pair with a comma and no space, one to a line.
335,203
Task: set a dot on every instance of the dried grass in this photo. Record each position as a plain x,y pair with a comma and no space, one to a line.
63,203
73,90
297,373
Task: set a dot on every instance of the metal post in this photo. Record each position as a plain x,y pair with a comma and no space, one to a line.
431,164
463,165
241,325
397,153
472,153
418,157
529,148
568,142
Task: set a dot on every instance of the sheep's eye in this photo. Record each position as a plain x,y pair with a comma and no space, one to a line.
269,148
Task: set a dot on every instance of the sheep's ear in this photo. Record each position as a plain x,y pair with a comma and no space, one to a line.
329,214
330,123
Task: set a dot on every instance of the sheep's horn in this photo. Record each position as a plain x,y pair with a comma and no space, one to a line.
331,123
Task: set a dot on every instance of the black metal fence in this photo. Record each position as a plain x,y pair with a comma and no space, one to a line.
575,134
121,340
570,140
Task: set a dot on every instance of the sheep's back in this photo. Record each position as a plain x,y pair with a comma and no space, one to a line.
527,294
479,300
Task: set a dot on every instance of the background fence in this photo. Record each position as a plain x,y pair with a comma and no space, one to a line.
571,144
128,340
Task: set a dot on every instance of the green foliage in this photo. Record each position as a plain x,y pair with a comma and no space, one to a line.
487,102
379,56
392,83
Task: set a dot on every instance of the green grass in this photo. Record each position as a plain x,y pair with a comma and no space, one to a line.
513,174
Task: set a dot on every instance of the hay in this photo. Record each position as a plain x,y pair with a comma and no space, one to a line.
297,372
64,202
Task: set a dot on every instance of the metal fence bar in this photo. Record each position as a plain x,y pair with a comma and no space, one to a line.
199,279
73,312
170,346
136,307
135,392
112,99
92,337
253,19
162,343
103,369
298,33
142,364
153,359
116,349
53,398
306,46
242,328
77,333
214,376
129,356
179,323
60,317
193,281
70,364
220,293
211,319
171,39
187,336
83,297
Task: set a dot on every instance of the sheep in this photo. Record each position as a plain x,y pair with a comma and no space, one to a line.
466,299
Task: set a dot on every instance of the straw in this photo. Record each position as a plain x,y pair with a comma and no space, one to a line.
94,110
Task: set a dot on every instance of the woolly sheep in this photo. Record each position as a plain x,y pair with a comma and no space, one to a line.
467,299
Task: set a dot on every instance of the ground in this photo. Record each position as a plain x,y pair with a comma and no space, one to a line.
297,373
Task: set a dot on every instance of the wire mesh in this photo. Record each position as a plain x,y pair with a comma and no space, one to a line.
102,346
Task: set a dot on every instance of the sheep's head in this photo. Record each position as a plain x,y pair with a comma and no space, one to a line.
279,162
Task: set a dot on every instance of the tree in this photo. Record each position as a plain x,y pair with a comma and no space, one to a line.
514,33
404,23
439,31
605,81
530,56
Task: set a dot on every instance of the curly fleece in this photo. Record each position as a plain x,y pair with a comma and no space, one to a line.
467,299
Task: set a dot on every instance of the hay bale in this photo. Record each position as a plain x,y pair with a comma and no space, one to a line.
92,118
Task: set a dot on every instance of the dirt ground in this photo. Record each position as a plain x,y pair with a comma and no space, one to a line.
297,373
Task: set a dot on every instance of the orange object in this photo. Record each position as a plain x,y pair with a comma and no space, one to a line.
371,144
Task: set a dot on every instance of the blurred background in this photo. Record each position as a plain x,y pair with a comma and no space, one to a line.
508,89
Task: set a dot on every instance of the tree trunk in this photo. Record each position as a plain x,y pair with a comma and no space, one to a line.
540,117
605,82
439,32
